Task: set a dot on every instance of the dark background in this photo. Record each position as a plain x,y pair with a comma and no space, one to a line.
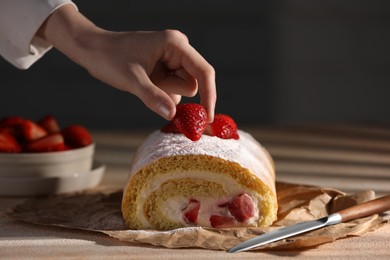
277,62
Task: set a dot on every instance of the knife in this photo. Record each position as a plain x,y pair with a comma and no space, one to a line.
358,211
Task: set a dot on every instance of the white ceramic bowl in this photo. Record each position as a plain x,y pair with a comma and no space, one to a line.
50,164
33,186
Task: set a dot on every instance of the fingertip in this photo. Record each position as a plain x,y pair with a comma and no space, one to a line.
209,105
210,117
158,101
166,111
210,113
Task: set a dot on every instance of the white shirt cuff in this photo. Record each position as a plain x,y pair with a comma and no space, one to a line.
19,22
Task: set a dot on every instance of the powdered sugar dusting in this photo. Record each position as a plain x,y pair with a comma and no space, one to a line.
246,151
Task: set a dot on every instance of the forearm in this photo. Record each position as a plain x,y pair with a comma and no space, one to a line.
71,33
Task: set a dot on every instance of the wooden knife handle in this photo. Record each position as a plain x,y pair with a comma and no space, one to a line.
366,209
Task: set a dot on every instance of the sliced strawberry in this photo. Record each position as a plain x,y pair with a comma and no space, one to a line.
223,127
50,124
170,128
76,136
50,143
8,130
31,131
15,131
11,121
228,120
223,204
191,120
8,143
242,207
14,124
191,212
221,221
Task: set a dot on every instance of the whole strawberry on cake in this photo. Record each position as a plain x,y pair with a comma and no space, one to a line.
194,173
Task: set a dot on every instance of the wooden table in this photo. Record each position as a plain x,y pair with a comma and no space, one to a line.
347,157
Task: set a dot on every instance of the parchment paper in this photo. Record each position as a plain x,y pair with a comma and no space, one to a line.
100,211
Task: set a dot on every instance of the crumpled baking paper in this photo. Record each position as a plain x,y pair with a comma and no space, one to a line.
100,211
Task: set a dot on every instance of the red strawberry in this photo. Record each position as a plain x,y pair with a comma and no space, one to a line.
31,131
191,120
223,204
191,212
228,120
8,143
170,128
7,130
242,207
217,221
223,127
14,124
76,136
50,143
50,124
11,121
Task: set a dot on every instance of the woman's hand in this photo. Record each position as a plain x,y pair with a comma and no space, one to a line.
158,67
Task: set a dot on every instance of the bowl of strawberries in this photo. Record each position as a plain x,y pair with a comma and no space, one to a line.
39,157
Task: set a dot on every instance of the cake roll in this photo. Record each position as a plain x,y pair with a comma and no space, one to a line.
175,182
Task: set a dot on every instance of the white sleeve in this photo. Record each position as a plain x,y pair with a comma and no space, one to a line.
19,22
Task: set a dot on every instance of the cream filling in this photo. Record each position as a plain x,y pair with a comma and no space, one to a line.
209,206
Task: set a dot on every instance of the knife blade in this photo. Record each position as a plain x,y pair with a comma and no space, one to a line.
358,211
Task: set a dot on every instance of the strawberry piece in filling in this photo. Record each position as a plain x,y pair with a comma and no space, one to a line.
226,213
242,207
218,221
191,212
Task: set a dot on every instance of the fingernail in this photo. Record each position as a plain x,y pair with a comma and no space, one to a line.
210,118
165,112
